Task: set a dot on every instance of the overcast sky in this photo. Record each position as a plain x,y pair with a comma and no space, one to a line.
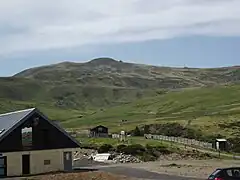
79,30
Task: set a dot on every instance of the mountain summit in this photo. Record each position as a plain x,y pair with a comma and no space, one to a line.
104,61
106,82
109,72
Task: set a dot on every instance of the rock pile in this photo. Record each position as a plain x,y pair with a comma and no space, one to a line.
115,157
88,154
124,158
84,154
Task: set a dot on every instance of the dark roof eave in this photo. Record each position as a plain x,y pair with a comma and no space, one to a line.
35,110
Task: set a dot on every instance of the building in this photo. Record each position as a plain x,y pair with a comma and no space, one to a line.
99,131
221,145
32,144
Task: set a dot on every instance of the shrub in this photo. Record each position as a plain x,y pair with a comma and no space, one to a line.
176,130
146,129
149,147
156,150
134,149
151,151
137,132
148,157
120,148
105,148
163,150
236,149
212,138
89,146
235,144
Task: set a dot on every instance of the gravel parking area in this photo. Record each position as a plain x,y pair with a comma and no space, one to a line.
185,168
82,176
158,170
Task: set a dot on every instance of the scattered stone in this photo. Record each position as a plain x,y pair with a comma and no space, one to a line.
124,158
115,157
84,154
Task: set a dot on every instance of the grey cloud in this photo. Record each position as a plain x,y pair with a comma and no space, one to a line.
34,25
8,29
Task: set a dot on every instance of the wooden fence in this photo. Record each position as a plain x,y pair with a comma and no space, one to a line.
189,142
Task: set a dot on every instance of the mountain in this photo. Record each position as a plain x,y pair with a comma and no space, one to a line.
106,91
102,83
108,72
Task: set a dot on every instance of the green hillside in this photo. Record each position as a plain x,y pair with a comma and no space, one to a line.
106,91
206,108
215,109
68,96
105,82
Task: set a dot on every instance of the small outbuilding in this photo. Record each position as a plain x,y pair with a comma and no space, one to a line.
98,131
30,144
221,144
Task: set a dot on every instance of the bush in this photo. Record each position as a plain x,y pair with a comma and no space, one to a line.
89,146
151,151
235,144
148,153
157,150
163,150
137,132
146,129
120,148
176,130
148,157
134,149
212,138
105,148
192,134
236,149
149,147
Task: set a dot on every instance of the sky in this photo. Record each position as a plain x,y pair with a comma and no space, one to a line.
193,33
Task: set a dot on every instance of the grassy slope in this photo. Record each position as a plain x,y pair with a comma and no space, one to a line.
97,142
30,92
206,107
80,94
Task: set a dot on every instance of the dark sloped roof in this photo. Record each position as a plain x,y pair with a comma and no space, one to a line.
10,121
98,127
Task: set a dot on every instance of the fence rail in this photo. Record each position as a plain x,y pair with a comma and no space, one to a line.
185,141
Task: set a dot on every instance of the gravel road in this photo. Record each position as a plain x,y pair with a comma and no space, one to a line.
160,170
186,168
166,169
142,174
125,170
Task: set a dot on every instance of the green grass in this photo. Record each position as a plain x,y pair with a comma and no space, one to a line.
206,107
130,140
71,95
174,147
